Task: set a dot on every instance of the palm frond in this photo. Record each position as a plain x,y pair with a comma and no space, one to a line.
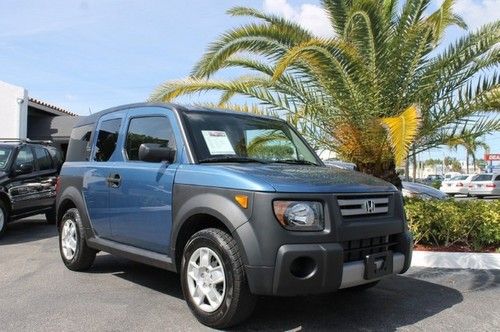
443,18
401,131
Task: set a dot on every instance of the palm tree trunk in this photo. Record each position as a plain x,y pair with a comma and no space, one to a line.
407,169
467,162
414,160
384,170
473,162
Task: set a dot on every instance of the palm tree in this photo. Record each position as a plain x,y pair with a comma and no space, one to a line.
365,91
471,143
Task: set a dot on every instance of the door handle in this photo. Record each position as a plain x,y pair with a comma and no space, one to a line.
114,180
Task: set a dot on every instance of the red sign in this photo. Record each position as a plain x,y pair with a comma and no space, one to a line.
492,156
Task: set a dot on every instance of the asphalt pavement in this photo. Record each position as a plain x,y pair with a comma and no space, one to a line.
37,293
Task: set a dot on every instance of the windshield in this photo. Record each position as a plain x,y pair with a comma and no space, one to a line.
5,152
219,137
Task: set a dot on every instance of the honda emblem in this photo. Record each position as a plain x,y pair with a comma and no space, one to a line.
370,206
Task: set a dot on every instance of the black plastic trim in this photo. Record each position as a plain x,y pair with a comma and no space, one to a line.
132,253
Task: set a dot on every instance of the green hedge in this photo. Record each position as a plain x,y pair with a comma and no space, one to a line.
474,223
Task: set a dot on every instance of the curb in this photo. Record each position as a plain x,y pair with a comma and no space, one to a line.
456,260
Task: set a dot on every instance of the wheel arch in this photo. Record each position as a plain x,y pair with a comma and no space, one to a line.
4,197
189,227
196,208
72,198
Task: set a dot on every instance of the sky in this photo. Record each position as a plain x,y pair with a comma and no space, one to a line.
88,55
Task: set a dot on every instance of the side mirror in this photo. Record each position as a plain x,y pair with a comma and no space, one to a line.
154,153
24,169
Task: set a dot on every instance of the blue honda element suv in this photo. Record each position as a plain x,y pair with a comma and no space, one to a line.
239,205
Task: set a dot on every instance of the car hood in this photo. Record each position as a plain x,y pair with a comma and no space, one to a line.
287,178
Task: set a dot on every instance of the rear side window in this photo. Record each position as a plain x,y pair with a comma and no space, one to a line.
154,129
79,143
497,178
43,159
25,156
106,139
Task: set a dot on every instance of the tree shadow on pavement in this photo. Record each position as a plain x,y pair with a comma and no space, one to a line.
395,302
464,280
28,230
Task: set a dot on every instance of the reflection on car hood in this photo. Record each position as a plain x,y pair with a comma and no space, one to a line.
281,178
423,189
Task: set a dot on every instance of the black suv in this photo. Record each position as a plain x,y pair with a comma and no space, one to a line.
28,175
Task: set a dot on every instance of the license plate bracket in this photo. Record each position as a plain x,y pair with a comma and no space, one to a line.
378,265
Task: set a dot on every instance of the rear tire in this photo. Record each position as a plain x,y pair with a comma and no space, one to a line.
75,253
4,218
212,263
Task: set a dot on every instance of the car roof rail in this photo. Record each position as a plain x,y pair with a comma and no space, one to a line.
26,140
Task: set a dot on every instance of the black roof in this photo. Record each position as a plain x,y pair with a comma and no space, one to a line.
85,120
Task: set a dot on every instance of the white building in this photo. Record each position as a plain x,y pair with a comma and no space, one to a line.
22,116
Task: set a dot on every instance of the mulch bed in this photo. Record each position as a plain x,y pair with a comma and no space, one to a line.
454,248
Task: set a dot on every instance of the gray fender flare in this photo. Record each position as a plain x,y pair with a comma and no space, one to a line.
218,204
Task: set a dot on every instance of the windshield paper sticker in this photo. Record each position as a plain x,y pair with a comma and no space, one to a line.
217,142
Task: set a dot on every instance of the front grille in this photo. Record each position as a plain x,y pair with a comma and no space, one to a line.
363,205
356,250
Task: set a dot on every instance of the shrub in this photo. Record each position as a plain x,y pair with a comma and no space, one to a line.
446,222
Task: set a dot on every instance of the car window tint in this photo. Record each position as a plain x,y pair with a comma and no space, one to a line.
154,129
25,156
106,139
497,178
79,143
483,177
4,156
43,159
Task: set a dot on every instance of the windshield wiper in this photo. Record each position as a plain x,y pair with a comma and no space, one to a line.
295,161
229,159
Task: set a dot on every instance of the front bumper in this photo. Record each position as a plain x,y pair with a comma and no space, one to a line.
303,269
281,262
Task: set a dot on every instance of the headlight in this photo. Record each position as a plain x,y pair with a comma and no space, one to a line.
299,216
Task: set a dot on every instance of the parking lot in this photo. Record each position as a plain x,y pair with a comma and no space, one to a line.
37,293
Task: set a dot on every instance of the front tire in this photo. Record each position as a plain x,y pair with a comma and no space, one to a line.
213,280
4,218
75,253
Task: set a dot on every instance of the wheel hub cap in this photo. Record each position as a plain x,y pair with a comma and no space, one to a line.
206,279
69,239
2,219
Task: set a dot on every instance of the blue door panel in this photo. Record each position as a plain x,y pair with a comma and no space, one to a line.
96,193
141,207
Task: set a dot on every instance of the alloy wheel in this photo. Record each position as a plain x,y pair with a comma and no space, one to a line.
2,219
69,239
206,279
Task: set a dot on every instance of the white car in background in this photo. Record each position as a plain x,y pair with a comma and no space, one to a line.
450,175
458,185
487,184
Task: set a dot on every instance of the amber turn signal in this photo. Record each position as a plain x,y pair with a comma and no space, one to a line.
242,200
